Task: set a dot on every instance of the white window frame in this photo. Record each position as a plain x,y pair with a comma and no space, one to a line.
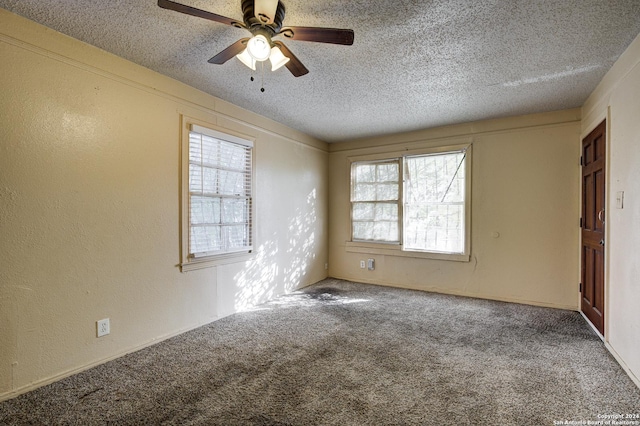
398,249
397,201
192,261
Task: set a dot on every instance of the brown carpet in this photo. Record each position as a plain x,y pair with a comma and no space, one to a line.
341,353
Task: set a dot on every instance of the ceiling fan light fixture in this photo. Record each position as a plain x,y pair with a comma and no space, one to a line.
259,47
277,58
246,58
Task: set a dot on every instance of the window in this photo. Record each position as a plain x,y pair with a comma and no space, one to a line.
426,211
217,196
375,195
434,214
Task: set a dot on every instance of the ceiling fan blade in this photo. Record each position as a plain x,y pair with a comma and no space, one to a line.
182,8
294,65
229,52
320,35
265,10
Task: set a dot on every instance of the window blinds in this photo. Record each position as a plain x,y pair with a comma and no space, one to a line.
220,193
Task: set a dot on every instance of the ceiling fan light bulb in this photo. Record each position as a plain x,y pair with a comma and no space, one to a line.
259,47
247,59
277,58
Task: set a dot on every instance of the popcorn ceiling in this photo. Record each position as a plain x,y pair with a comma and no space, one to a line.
414,64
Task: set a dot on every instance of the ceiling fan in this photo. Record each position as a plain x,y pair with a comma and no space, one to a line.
263,18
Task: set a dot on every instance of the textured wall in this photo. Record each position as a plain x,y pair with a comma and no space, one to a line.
617,98
89,180
525,178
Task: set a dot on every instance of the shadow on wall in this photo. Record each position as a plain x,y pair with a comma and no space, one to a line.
281,263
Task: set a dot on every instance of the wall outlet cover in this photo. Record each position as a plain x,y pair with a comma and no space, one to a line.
103,327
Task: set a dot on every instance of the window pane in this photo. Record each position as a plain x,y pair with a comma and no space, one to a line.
434,227
387,192
365,173
205,239
364,211
385,231
210,151
234,210
205,210
210,180
364,192
233,156
387,211
232,183
434,211
363,230
435,178
387,172
236,236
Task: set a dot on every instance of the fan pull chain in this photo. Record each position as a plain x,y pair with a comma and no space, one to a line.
261,76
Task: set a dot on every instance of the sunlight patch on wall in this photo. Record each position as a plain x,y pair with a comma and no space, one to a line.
302,242
258,280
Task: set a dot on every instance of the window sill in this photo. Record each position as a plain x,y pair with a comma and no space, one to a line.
396,250
210,262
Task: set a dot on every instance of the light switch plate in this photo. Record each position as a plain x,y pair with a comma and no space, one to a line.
619,199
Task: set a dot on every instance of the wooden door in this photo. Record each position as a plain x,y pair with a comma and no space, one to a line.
593,218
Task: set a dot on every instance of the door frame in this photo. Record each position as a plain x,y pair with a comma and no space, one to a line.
594,122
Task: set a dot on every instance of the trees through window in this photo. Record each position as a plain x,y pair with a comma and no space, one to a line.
416,201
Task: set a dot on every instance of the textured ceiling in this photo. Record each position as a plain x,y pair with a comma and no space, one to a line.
413,65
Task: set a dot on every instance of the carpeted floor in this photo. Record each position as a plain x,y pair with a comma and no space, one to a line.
341,353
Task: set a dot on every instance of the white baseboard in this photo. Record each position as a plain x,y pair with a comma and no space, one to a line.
46,381
624,366
462,293
613,352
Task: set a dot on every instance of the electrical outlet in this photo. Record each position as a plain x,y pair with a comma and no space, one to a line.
371,264
362,264
103,327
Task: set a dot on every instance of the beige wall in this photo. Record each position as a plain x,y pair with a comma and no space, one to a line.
525,187
617,98
89,181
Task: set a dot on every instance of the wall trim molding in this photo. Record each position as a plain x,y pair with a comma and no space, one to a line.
456,131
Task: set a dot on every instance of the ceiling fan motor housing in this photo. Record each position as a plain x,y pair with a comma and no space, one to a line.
256,25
